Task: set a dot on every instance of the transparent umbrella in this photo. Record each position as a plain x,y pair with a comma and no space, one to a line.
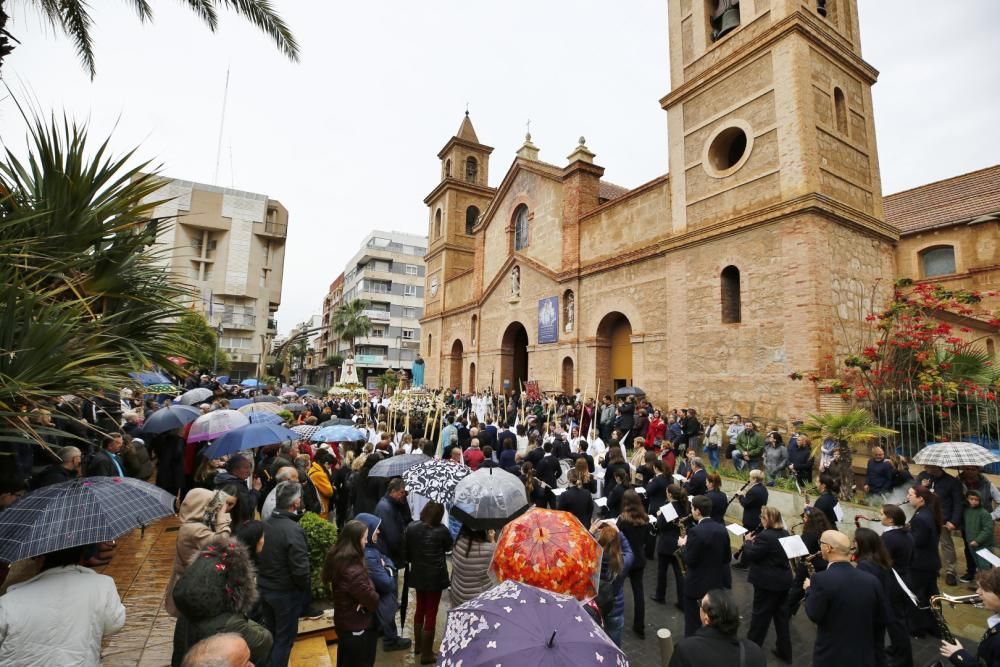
489,498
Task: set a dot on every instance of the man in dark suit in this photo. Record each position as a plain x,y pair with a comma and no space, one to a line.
848,608
549,469
505,433
697,484
715,642
948,489
707,554
585,456
105,463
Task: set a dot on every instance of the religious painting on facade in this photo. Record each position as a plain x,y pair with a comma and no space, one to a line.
533,390
548,320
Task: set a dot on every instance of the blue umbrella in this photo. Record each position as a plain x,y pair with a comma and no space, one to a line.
249,383
264,418
151,377
78,512
250,436
170,417
338,434
301,392
222,379
238,403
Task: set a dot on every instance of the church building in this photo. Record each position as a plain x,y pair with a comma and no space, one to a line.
752,258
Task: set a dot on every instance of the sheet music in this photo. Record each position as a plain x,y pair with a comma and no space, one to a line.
640,490
557,491
988,556
838,512
903,586
680,478
601,502
736,529
794,546
669,512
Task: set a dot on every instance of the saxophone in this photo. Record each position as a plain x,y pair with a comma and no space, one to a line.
679,555
810,567
938,601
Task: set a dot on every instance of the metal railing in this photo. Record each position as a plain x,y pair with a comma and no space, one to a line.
925,417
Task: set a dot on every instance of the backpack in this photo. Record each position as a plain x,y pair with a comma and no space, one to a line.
605,599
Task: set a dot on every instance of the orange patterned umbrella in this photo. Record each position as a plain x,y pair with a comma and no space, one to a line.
551,550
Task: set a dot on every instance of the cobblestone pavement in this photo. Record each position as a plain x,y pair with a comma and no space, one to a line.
142,563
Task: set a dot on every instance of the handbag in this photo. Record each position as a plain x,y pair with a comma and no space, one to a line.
605,597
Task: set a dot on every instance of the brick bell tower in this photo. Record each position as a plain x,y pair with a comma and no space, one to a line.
454,208
773,163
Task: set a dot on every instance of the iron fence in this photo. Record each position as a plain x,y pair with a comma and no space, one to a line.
923,418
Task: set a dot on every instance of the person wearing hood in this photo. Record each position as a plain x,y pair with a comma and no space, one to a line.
204,515
382,572
214,596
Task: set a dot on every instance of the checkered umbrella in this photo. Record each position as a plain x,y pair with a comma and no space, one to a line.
82,511
305,431
955,455
435,479
395,466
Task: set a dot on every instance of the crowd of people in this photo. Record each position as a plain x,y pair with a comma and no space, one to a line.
644,481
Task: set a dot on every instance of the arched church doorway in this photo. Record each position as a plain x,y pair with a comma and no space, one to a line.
456,365
614,351
514,356
472,377
567,376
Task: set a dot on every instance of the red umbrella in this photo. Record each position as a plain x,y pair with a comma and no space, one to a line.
551,550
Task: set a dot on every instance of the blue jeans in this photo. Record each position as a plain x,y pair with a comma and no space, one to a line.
614,626
739,461
281,617
713,456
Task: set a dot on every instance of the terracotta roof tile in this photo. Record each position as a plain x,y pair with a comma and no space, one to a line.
953,200
609,191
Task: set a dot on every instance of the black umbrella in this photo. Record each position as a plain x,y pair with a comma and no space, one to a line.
395,466
170,417
78,512
630,391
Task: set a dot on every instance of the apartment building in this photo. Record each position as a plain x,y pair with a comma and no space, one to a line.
387,273
229,246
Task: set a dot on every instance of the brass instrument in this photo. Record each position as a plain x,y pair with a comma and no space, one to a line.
936,603
810,567
682,527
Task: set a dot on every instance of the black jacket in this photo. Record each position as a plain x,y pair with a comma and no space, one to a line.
800,458
708,647
615,496
628,418
54,474
948,490
549,470
755,498
719,505
988,652
578,502
101,465
848,609
769,568
707,555
609,475
698,484
425,548
656,493
637,537
925,541
588,458
535,456
899,543
395,518
825,503
283,563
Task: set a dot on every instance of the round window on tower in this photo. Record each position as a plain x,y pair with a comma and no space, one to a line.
728,148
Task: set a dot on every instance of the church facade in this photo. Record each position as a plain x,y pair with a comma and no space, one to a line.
752,258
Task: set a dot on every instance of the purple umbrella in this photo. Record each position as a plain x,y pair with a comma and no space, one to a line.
518,624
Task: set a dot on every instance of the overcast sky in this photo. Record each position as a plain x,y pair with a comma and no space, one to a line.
347,139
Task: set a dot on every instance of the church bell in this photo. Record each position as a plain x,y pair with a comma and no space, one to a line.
729,20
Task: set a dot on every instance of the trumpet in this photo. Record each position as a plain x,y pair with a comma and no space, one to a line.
792,529
936,603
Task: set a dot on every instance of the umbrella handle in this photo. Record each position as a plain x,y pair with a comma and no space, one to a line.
552,639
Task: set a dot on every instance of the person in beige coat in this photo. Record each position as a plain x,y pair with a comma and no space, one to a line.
204,515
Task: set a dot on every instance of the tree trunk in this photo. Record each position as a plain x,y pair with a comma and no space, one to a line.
843,469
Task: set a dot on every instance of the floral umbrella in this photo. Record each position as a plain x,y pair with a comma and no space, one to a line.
551,550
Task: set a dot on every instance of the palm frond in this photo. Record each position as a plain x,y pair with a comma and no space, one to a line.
142,8
262,14
76,22
206,10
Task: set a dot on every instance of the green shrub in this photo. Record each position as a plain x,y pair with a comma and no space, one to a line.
320,536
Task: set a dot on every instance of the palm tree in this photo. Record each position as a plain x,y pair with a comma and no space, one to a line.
350,321
849,430
85,298
73,18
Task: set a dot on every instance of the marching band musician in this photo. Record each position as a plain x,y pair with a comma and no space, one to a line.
706,555
667,556
925,526
845,602
814,525
988,652
771,577
752,500
872,557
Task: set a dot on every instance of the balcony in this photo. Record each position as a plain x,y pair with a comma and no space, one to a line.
239,321
371,360
275,229
377,315
272,326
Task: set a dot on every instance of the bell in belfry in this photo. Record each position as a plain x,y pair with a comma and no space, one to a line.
725,17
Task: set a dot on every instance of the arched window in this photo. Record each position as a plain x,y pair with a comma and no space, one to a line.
475,328
437,224
430,350
840,109
471,217
447,168
730,295
521,227
939,261
471,169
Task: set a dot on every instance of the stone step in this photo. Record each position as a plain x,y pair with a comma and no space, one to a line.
310,652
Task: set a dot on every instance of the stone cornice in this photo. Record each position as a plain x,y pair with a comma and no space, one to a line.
458,184
440,248
801,22
471,145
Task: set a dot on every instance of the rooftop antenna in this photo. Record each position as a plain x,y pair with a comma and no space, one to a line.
222,124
